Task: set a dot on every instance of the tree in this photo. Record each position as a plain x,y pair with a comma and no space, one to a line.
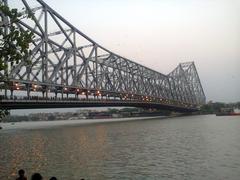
14,41
14,44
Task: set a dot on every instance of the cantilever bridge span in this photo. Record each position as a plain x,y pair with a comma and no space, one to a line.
69,69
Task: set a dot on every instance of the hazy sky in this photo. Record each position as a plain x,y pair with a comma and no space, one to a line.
162,33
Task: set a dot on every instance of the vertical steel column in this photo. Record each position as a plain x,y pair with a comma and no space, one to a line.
46,49
96,66
62,93
28,85
28,90
86,76
74,59
11,96
66,71
170,89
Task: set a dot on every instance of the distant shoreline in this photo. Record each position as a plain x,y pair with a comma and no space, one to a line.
57,123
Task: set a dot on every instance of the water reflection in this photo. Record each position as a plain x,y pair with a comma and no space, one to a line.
84,149
19,151
200,147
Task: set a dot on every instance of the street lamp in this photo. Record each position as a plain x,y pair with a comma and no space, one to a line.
17,86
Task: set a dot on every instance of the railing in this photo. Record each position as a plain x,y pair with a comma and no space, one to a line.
70,100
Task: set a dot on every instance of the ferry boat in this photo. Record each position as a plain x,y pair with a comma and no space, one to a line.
228,112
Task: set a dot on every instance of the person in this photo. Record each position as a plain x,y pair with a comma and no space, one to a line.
36,176
21,173
53,178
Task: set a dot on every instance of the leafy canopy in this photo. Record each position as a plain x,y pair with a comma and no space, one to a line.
14,40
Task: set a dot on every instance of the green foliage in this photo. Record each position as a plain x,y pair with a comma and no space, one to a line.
130,109
3,113
212,108
112,111
207,109
238,105
14,41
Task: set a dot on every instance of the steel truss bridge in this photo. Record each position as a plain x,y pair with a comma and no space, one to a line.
69,69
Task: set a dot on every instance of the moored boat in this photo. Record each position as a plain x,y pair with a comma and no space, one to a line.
228,112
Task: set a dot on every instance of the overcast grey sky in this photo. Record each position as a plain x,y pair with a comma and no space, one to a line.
162,33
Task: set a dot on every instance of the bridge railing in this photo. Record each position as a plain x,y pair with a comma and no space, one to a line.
36,99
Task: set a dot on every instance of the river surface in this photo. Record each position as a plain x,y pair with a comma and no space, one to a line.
193,147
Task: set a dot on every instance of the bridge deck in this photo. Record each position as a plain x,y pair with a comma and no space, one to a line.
52,103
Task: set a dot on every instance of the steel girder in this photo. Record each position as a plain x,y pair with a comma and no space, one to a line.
62,56
186,85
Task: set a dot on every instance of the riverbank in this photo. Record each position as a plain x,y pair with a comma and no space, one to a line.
49,124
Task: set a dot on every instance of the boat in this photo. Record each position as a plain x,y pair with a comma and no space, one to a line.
228,112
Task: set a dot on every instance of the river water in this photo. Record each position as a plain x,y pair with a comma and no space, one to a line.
193,147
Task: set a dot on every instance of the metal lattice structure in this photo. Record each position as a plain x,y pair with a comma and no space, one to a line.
64,60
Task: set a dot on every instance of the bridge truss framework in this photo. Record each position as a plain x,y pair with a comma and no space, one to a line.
65,61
